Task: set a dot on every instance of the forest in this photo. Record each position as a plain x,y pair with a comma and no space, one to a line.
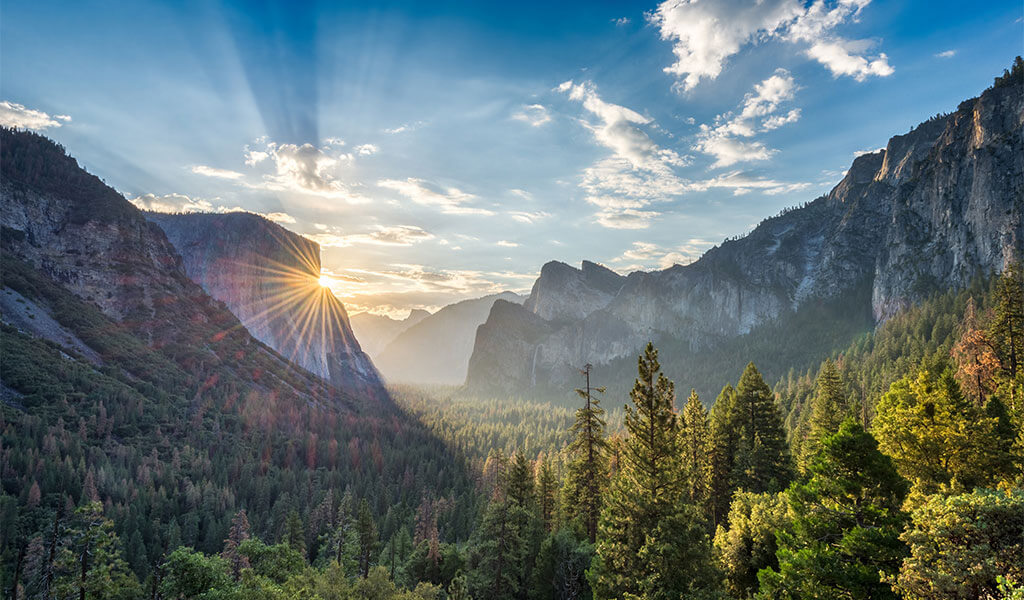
893,470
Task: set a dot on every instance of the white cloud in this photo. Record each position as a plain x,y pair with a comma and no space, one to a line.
452,201
366,149
637,174
863,152
529,217
946,54
215,172
399,235
304,169
722,140
16,115
621,21
533,114
507,244
741,183
645,255
777,121
839,57
280,217
180,203
705,34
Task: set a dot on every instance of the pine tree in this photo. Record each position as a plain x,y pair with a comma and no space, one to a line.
547,493
366,530
588,467
828,408
295,533
723,454
695,448
498,551
762,462
647,488
847,520
1007,326
90,562
520,481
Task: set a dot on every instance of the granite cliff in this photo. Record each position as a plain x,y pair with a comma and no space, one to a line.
937,207
269,278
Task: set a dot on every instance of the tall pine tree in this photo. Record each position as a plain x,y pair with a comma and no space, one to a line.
588,466
828,408
762,462
695,453
645,526
723,454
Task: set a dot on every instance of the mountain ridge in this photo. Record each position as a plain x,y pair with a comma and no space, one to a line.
932,210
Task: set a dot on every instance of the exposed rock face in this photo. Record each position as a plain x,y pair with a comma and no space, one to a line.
269,278
375,332
564,293
85,237
437,349
938,206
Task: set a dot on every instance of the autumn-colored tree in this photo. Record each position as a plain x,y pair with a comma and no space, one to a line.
977,363
238,533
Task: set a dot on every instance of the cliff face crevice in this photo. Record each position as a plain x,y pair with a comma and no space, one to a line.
269,278
937,207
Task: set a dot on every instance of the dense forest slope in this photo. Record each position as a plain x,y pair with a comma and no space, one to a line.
269,278
940,205
123,382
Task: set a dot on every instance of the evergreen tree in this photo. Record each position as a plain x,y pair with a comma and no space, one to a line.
366,530
937,438
547,493
961,545
646,489
520,481
827,411
560,571
696,456
762,462
295,533
723,454
1007,326
588,466
89,563
498,552
749,544
458,589
847,520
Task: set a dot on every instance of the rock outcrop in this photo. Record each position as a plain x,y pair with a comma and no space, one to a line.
269,278
938,206
83,239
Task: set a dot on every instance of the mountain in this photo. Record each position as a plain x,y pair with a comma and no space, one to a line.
937,207
123,381
436,350
269,278
375,332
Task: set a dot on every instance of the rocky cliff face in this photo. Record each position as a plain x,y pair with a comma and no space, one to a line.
938,206
81,236
269,278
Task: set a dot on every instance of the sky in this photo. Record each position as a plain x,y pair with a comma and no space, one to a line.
440,151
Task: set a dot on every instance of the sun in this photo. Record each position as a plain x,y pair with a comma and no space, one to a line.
325,281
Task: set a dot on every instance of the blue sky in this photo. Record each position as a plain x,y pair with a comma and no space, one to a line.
440,151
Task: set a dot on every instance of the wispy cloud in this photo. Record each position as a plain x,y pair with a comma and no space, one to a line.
728,138
645,255
946,54
16,115
705,34
638,173
398,235
533,114
449,200
215,172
